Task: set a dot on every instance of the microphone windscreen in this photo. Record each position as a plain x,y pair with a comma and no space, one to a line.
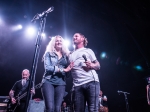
84,56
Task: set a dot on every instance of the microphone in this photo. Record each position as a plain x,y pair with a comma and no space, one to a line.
38,16
46,12
84,56
118,91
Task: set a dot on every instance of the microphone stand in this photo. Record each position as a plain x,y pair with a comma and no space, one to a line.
126,99
35,58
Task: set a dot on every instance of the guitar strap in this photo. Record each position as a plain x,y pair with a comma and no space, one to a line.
24,87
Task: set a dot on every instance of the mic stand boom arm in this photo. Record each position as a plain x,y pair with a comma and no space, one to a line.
126,99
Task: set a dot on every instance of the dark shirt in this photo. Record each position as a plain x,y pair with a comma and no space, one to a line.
51,60
104,103
17,87
64,109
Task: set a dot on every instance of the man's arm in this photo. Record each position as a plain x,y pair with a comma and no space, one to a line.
93,65
11,94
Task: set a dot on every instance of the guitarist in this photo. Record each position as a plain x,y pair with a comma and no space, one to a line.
18,89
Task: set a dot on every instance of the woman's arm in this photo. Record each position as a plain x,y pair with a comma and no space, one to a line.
48,64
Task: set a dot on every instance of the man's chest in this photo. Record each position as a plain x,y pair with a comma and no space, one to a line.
78,56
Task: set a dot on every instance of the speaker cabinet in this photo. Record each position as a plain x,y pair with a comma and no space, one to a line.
3,103
36,106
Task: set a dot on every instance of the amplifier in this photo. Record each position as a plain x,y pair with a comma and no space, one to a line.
4,99
36,106
3,103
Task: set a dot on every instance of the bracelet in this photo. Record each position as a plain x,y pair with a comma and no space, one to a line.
61,69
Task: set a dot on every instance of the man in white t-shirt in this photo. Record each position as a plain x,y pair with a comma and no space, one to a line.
85,79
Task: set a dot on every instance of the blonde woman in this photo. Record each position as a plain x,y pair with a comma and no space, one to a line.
56,66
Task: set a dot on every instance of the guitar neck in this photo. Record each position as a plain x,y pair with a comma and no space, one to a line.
24,94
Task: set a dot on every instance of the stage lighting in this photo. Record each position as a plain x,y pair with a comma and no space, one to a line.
73,46
1,21
43,35
103,55
16,27
30,31
67,43
19,26
138,68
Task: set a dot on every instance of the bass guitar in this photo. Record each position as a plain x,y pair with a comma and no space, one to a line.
12,107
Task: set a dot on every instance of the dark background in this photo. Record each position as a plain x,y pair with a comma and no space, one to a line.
121,28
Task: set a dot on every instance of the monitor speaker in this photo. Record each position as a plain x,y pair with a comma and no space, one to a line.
36,106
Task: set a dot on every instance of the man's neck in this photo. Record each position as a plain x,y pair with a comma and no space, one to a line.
79,46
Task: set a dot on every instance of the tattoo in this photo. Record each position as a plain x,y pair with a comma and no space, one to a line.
11,93
96,65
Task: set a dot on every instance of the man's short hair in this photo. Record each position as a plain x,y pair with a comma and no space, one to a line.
85,39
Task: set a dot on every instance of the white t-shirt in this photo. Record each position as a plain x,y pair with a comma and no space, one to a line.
100,100
80,76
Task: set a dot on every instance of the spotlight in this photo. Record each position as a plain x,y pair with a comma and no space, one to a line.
30,31
138,68
67,43
19,26
73,46
103,55
43,34
1,21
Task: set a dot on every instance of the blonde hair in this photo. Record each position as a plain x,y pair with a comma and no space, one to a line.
51,46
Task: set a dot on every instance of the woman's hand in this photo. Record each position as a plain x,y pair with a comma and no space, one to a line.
69,67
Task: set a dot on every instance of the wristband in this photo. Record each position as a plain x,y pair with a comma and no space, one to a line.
61,69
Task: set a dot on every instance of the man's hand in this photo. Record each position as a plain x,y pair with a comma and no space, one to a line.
32,91
13,100
95,65
69,67
89,64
